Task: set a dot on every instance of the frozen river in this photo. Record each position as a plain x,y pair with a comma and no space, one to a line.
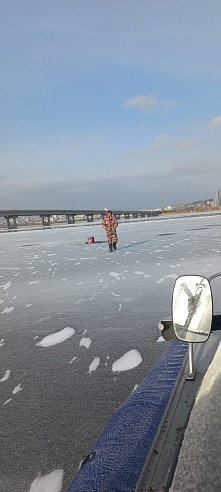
78,332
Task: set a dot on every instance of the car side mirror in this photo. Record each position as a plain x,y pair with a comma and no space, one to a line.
192,308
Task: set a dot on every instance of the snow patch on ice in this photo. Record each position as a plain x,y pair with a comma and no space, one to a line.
85,342
6,286
92,258
171,275
7,401
72,360
94,365
52,482
117,275
128,361
161,339
35,281
160,280
6,376
146,275
58,337
7,310
17,389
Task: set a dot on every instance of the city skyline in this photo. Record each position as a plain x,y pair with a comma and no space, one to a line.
109,104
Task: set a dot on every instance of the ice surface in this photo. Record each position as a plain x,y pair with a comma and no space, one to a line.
110,306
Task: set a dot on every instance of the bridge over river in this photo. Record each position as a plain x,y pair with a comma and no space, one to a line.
12,215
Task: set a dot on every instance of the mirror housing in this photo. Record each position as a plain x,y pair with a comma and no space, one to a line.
167,329
192,308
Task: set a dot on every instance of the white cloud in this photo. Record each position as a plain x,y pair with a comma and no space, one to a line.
169,105
215,121
145,103
161,143
166,141
141,102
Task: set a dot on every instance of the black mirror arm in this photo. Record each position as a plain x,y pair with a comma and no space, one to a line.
216,322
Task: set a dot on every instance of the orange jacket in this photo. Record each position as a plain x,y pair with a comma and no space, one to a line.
110,224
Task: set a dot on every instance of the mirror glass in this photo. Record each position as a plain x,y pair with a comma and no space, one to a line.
192,308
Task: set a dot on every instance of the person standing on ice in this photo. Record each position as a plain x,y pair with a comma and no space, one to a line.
110,225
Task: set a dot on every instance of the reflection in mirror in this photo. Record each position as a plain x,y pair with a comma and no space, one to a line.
192,308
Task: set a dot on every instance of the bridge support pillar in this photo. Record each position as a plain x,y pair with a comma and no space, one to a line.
90,218
46,220
71,219
11,222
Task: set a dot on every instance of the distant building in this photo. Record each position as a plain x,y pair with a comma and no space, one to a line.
216,198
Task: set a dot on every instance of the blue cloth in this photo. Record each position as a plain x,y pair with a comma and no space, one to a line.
118,457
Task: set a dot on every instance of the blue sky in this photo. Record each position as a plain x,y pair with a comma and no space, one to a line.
109,103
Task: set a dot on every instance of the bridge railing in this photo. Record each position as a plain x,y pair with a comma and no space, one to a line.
70,216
